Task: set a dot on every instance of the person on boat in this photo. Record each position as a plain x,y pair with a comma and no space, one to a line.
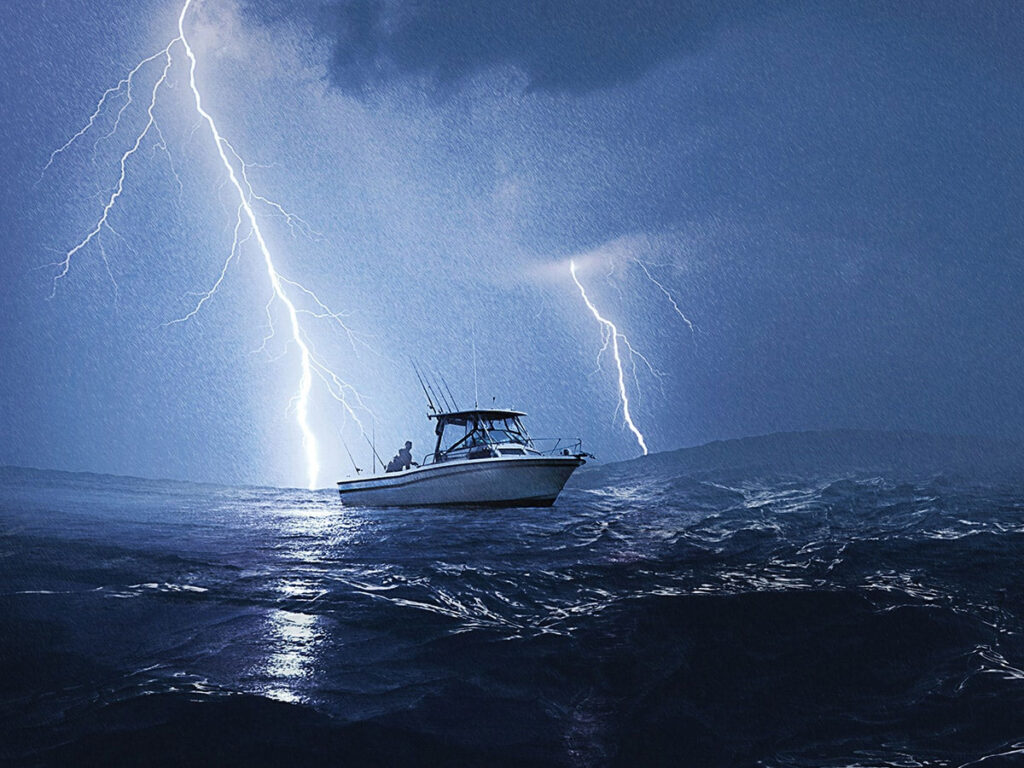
403,460
405,456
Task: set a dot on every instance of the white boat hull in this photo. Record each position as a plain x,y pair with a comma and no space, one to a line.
532,481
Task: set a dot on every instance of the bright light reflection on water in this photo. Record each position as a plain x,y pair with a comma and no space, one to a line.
309,538
290,668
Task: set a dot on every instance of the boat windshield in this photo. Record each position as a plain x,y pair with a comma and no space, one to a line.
508,430
471,432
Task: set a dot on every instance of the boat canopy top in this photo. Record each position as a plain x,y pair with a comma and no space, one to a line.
477,431
461,417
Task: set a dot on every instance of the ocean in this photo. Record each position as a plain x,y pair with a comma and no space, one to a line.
745,604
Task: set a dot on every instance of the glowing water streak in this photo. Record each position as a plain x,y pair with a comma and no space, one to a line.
614,335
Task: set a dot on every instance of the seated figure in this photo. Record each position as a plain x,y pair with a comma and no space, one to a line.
402,460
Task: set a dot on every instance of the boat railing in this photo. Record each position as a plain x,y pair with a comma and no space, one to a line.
557,446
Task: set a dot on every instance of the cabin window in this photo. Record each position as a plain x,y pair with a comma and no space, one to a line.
455,432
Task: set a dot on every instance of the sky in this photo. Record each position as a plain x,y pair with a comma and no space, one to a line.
829,191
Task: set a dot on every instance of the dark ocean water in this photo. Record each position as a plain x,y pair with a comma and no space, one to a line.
657,615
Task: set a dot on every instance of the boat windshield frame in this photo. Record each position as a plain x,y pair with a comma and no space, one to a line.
486,429
494,433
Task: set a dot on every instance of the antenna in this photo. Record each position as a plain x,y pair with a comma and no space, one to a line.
449,391
430,402
476,389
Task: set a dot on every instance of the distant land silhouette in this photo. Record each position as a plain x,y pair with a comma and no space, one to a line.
831,451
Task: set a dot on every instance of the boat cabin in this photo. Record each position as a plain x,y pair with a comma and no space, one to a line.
479,434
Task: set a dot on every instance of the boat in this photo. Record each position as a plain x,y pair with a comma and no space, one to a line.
483,457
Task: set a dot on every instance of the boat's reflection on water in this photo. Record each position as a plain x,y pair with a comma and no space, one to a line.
308,540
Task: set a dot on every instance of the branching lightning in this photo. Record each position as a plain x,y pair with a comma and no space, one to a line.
614,340
65,264
669,296
124,84
310,363
612,336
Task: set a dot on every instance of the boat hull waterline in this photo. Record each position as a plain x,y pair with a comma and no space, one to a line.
533,481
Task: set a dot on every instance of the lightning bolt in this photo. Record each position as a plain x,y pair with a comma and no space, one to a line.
64,264
124,83
310,363
612,335
670,297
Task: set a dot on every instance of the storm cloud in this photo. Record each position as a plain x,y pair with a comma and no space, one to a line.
831,190
572,46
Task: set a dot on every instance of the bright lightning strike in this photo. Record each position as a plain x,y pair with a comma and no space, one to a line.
612,337
310,364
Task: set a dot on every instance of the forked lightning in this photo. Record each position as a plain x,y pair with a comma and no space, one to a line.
310,364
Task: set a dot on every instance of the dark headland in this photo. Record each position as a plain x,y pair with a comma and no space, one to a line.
831,451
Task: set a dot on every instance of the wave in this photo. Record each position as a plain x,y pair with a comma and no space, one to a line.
674,611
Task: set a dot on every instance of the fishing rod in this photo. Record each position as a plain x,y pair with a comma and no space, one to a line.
443,381
438,399
445,399
423,386
374,449
350,456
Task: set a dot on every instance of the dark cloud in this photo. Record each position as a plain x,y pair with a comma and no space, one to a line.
559,45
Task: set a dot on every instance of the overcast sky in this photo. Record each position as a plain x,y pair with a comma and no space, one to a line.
830,191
